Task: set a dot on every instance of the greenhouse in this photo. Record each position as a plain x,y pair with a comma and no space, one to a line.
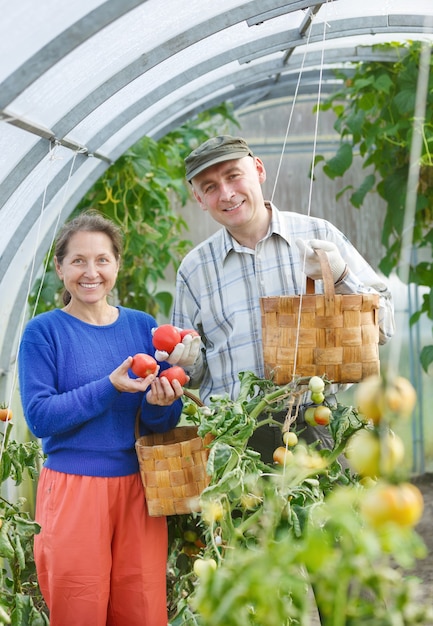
100,103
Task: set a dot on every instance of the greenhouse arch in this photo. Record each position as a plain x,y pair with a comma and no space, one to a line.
80,85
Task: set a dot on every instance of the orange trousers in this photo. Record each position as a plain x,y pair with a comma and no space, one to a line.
100,558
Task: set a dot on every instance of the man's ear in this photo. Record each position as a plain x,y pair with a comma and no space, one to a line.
199,200
261,170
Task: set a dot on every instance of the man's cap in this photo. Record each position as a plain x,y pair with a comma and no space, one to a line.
215,150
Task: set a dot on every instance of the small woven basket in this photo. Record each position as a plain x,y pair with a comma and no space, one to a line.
173,468
321,334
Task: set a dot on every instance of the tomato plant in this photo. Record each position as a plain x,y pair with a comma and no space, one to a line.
21,601
143,365
274,534
175,373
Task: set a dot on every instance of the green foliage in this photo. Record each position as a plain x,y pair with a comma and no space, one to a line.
21,603
278,532
141,192
374,111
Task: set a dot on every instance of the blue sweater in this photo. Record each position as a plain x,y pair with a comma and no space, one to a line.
86,425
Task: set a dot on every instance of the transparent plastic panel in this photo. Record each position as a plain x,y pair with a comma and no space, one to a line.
14,145
33,24
132,38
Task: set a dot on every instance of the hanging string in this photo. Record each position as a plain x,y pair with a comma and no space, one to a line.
310,193
289,123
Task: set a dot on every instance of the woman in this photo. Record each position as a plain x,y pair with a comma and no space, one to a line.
101,560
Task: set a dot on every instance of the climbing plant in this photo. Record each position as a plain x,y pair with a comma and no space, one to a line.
141,192
375,115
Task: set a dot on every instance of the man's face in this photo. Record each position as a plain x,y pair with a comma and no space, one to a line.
232,191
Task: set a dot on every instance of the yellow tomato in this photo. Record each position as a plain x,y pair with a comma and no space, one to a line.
401,504
282,456
375,398
371,455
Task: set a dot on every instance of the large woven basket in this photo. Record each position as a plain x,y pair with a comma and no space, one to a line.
173,469
321,334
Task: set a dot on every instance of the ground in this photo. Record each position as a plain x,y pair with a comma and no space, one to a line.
424,567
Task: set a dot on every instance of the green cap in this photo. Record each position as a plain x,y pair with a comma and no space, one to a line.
215,150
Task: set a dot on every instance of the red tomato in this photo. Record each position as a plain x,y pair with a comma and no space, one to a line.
5,414
166,338
188,331
322,415
175,373
143,365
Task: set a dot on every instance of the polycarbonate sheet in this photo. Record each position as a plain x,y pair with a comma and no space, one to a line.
132,37
33,25
15,143
217,49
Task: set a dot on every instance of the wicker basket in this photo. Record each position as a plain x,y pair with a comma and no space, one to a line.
173,468
333,335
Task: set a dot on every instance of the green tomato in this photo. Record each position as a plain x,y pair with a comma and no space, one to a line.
202,567
309,416
316,384
290,438
317,397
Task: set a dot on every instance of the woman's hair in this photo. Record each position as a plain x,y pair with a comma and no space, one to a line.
90,221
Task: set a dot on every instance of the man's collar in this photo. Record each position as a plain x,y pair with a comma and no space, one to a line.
276,227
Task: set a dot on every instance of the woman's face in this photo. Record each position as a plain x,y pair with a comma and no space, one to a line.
89,269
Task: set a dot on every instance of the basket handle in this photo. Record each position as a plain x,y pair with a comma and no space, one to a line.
328,281
186,393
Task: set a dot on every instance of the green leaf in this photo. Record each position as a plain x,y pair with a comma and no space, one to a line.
384,83
426,357
405,101
341,162
357,198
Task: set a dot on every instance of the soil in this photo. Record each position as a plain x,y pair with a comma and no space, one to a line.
424,567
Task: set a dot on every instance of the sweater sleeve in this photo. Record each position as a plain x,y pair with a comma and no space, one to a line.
48,411
159,419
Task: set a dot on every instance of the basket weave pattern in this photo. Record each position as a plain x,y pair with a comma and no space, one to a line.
334,335
173,470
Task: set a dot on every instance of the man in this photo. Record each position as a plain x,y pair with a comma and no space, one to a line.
259,251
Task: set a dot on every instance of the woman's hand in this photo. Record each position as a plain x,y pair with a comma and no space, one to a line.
121,380
164,393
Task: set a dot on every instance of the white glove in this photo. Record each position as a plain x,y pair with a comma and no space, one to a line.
184,354
312,263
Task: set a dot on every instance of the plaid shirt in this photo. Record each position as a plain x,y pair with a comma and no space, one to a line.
219,285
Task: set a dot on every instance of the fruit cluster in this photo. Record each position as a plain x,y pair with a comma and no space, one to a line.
165,338
318,414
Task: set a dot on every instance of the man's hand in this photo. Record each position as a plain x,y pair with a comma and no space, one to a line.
312,263
184,354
